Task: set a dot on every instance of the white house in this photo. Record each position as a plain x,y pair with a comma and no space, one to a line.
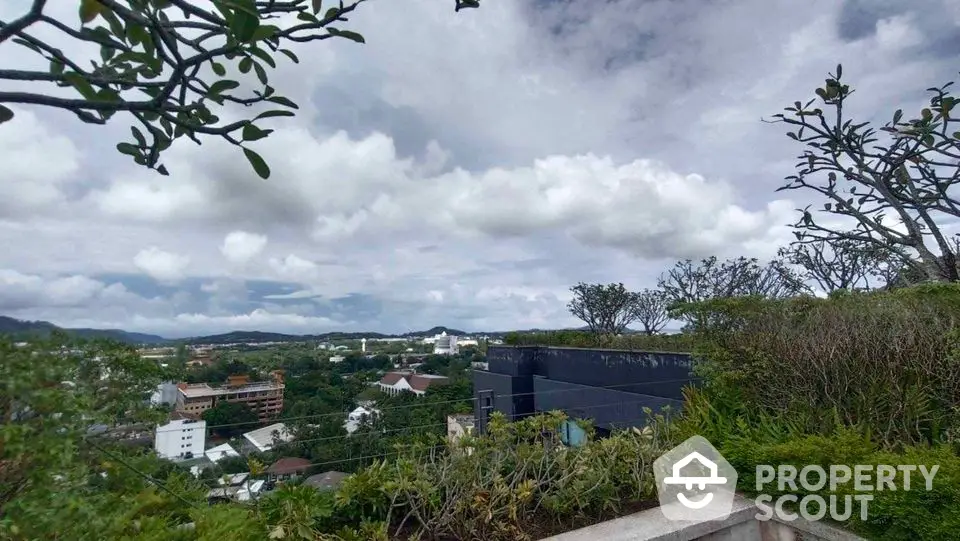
182,438
394,383
357,417
336,359
262,439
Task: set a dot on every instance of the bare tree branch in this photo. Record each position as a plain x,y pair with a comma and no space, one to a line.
650,310
899,184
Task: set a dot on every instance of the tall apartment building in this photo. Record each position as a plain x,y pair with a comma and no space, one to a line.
263,397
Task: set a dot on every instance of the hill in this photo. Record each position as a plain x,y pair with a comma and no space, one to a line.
248,337
435,331
20,329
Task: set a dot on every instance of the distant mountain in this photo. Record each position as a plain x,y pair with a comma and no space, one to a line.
435,331
27,329
249,337
244,337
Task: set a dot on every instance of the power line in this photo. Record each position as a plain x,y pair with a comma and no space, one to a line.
407,406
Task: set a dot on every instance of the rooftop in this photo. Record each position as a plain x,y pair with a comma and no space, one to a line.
326,480
262,438
197,390
220,452
288,465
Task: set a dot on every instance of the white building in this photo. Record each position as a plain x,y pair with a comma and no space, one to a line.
218,453
262,439
181,438
337,359
166,394
445,345
357,417
394,383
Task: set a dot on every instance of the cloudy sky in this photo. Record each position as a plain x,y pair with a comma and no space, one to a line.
458,169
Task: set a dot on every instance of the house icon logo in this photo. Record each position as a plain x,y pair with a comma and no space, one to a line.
694,482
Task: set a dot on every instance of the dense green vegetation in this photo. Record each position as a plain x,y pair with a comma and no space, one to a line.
857,378
584,339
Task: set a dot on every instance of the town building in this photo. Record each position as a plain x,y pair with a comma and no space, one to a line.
394,383
609,387
183,437
337,359
445,344
459,426
326,481
263,439
165,395
359,416
263,397
287,469
218,453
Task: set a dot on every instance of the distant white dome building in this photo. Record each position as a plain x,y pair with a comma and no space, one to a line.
445,345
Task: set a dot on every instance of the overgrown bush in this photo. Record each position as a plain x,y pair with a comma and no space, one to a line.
505,484
674,343
887,363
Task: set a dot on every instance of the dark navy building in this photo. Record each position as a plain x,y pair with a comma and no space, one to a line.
612,387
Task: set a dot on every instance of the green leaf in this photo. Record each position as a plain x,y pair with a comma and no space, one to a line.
331,13
290,55
253,133
257,162
317,4
263,55
139,136
275,113
839,71
82,85
162,169
283,101
244,25
347,34
219,69
261,73
56,67
264,32
6,114
89,9
128,148
222,86
246,64
956,135
306,17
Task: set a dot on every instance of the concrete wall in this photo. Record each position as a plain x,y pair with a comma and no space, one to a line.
609,408
610,386
741,525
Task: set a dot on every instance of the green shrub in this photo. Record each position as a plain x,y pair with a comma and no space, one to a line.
914,515
499,485
678,343
887,363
